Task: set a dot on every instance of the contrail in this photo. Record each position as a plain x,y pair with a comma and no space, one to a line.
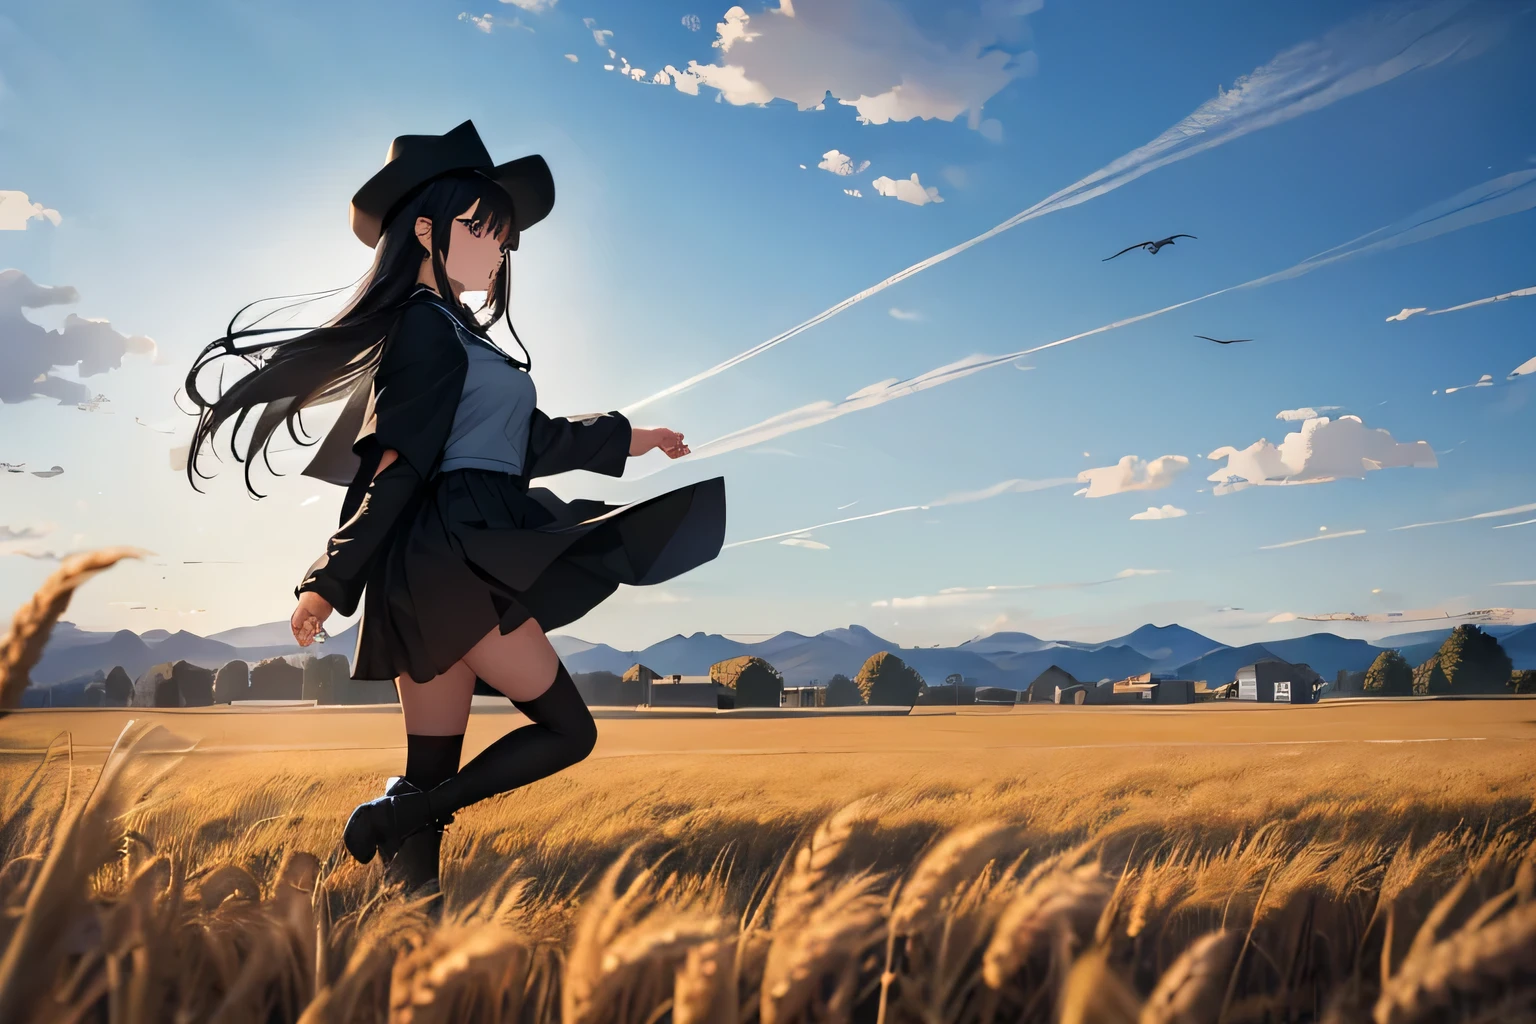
1518,293
1019,486
1358,55
1499,197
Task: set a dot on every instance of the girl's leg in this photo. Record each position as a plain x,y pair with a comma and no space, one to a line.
436,713
522,665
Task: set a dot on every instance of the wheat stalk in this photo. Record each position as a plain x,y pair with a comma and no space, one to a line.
81,843
813,862
456,971
1094,994
704,991
1062,902
1469,964
1190,991
834,936
33,622
956,858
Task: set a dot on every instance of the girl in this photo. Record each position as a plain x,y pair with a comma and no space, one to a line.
460,566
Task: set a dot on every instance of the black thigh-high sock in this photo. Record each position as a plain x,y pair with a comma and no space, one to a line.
562,733
431,760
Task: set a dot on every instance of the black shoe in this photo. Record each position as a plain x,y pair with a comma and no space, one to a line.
382,825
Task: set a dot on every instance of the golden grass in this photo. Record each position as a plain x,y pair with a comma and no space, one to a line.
890,870
1355,883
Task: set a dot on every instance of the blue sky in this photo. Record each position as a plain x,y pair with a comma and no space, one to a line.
197,158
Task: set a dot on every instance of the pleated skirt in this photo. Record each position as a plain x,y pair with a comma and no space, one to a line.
480,550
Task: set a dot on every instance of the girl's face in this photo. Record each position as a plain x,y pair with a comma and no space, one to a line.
474,252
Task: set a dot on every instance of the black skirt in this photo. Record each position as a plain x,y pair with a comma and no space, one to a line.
480,550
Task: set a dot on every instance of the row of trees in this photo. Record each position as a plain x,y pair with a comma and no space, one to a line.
883,679
1470,661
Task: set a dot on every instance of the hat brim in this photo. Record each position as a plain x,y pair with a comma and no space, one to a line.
532,188
527,180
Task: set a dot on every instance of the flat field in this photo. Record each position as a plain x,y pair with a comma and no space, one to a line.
1035,863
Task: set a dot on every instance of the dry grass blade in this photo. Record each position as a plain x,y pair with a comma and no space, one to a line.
61,887
1469,965
225,882
1094,994
33,621
1191,990
955,859
1061,901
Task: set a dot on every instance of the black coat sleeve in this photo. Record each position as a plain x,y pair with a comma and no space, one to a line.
415,394
340,574
598,443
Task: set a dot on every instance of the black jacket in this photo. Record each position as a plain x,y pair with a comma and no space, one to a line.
408,405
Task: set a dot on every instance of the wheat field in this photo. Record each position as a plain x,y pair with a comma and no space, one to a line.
884,870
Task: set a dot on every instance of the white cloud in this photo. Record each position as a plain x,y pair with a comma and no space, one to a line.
1360,54
1518,293
951,596
840,163
1309,540
1323,450
28,352
692,23
853,192
599,35
1132,474
1304,413
1525,369
905,314
1517,583
1166,512
804,542
870,55
1485,381
656,595
572,58
532,6
16,210
908,190
1497,514
489,22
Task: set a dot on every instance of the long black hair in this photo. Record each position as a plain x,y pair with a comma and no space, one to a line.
323,364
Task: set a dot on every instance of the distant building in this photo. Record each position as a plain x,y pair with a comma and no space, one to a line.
1152,688
1044,689
803,697
679,691
996,695
1272,681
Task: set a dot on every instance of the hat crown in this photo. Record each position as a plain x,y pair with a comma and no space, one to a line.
461,145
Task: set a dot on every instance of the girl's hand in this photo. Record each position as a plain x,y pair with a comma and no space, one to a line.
670,442
309,616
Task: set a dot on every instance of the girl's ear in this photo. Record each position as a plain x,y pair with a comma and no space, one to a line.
424,233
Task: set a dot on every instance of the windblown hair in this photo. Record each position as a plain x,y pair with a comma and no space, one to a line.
323,364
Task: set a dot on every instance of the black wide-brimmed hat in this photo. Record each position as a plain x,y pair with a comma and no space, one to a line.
415,160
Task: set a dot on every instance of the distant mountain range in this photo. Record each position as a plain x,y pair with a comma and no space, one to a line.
1009,659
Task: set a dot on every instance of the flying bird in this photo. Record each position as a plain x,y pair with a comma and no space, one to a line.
1151,247
12,467
1231,341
